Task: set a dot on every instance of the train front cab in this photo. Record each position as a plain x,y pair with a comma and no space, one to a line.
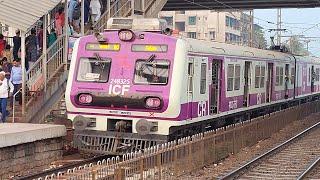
129,107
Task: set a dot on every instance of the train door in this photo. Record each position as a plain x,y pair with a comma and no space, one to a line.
312,78
286,81
215,87
269,82
247,83
190,86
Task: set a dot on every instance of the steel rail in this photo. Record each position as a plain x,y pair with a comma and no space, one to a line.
309,169
238,172
65,168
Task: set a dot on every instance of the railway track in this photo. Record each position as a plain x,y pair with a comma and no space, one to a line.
297,158
312,172
49,174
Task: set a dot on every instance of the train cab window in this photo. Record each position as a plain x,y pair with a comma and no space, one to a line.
155,72
94,69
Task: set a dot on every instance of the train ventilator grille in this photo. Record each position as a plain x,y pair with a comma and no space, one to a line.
112,144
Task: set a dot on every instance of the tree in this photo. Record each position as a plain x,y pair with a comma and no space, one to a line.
296,47
259,41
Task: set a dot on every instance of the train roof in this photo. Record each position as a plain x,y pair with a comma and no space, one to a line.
209,47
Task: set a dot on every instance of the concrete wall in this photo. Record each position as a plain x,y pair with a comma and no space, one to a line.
29,157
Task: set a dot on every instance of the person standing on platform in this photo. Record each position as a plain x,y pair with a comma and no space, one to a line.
16,76
7,53
16,44
86,11
32,49
74,14
59,17
52,38
3,44
95,8
6,90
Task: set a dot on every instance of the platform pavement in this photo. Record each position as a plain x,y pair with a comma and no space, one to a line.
19,133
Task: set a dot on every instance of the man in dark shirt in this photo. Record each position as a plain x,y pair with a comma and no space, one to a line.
16,44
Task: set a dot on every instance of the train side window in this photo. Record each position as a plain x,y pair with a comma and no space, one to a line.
203,78
281,76
257,77
277,76
260,74
263,72
230,77
94,70
237,78
317,74
154,72
190,77
293,71
309,75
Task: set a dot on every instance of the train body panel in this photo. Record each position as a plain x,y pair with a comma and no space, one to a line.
157,82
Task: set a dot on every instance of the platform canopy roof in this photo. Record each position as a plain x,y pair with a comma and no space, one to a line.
174,5
22,14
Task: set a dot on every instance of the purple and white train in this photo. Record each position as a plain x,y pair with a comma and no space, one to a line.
136,88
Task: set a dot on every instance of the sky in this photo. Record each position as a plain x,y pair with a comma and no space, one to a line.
296,21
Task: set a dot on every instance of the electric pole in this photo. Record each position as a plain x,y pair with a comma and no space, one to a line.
279,27
251,28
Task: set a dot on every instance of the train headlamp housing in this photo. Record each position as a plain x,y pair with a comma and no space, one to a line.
153,102
126,35
85,99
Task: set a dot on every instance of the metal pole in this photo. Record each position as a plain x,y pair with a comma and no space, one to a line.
23,65
109,8
143,8
82,17
132,7
279,27
44,51
251,29
66,35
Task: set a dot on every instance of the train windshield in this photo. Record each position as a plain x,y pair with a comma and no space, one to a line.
94,69
153,72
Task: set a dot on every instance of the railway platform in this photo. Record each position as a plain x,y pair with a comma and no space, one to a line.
26,147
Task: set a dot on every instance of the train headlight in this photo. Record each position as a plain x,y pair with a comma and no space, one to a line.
125,35
153,102
85,98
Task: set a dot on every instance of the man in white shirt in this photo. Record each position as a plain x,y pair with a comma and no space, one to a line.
6,90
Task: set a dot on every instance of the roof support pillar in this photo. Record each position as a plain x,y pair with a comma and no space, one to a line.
24,74
82,17
66,35
44,51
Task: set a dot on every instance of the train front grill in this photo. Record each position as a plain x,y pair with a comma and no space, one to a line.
113,144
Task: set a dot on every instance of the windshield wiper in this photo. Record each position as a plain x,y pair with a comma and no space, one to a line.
149,60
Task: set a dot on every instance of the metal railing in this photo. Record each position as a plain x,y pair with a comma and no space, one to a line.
37,76
118,8
13,105
55,57
176,158
153,7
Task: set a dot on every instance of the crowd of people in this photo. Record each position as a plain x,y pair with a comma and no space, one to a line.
92,13
10,73
10,62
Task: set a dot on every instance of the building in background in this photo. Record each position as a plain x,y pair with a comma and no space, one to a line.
229,27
